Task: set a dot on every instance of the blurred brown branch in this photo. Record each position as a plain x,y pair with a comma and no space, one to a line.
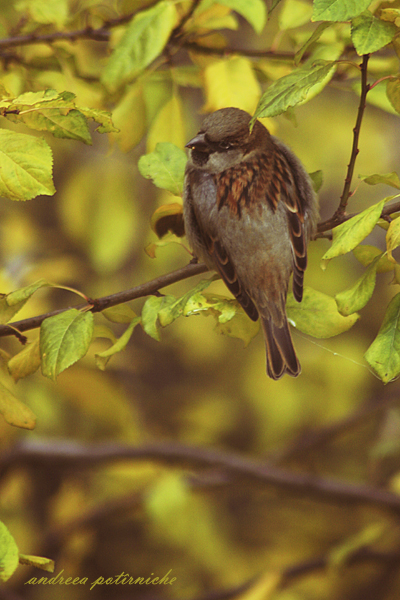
102,34
58,454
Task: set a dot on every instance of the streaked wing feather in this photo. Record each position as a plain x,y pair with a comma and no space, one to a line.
290,196
227,271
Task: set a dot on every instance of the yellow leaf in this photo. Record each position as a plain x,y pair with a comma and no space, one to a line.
25,362
168,126
108,236
168,217
130,118
14,411
231,82
263,588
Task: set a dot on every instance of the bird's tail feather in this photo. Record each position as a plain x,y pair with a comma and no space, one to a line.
281,356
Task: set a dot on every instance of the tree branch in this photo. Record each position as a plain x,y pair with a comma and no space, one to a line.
356,134
99,304
78,456
337,219
151,287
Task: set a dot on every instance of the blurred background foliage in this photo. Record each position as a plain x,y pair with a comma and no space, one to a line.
195,386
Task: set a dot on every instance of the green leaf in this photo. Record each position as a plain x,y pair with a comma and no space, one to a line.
144,39
293,89
240,327
365,254
294,14
64,339
8,553
122,313
62,123
254,11
150,311
350,233
317,315
165,166
14,411
102,358
25,166
225,308
11,303
57,113
102,331
25,362
338,10
377,96
230,318
21,295
176,309
384,353
314,38
391,179
103,117
356,297
393,92
43,11
370,34
393,238
317,178
39,562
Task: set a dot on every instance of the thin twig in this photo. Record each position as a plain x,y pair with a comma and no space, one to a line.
179,28
340,215
338,219
99,304
69,454
356,134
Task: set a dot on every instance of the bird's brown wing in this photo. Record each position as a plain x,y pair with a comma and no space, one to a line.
245,186
285,190
215,249
227,270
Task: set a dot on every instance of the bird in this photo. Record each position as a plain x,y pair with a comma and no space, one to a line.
249,210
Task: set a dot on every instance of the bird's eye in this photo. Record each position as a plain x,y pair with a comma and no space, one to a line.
225,145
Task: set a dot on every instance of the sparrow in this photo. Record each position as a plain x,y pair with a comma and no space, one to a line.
249,210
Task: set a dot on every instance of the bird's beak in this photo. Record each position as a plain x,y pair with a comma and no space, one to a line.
198,143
